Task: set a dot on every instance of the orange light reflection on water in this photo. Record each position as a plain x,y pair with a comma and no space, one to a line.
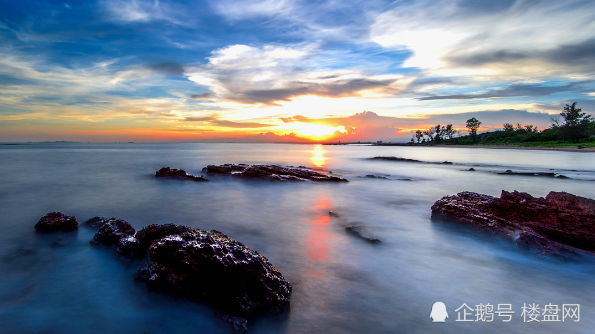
319,237
317,158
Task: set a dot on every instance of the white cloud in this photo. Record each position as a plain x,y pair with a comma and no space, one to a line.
271,73
437,30
128,11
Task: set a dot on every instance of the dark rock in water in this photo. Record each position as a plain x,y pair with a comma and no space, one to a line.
271,172
56,221
96,222
212,267
130,247
153,232
558,225
360,232
447,163
560,176
371,176
472,169
178,174
396,159
332,213
510,172
111,232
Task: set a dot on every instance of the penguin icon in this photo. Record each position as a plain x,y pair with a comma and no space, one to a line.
438,313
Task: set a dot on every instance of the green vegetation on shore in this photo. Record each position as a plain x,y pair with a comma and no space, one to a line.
571,128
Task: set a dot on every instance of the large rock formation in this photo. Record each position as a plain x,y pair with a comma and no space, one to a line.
212,267
271,172
558,225
112,231
178,174
56,221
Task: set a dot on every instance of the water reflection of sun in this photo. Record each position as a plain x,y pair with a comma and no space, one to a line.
317,157
319,236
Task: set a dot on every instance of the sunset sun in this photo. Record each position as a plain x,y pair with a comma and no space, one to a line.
317,130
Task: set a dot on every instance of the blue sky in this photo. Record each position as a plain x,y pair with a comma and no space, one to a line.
119,70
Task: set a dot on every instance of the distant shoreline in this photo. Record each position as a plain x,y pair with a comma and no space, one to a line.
530,148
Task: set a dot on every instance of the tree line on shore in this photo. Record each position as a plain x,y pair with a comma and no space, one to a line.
570,126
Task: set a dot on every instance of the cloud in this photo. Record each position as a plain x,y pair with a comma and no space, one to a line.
169,68
135,11
227,123
515,90
201,96
269,74
451,35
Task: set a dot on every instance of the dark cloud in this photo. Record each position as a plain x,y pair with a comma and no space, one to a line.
575,54
201,96
268,137
515,90
170,68
226,123
335,89
479,59
567,55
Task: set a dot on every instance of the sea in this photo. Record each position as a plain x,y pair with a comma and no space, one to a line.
60,283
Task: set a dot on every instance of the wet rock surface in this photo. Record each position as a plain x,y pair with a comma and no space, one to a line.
178,174
112,231
96,222
558,225
211,267
360,231
153,232
56,221
271,172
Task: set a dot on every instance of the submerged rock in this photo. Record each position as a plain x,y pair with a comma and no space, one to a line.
211,267
112,231
510,172
360,231
558,225
271,172
372,176
397,159
178,174
56,221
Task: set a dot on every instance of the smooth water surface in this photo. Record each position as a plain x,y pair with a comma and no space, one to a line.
342,284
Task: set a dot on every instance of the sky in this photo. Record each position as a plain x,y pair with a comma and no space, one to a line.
287,70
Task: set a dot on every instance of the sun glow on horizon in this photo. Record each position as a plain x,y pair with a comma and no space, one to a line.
318,131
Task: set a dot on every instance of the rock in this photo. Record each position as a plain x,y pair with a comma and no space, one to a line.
178,174
371,176
332,213
112,231
560,176
580,147
359,231
396,159
130,247
472,169
153,232
447,163
211,267
96,222
510,172
557,225
56,221
271,172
